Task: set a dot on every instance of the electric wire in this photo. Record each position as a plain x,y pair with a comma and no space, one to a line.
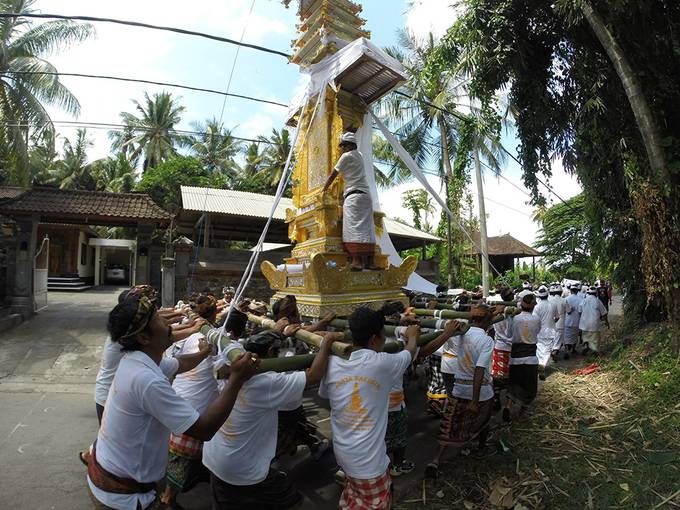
149,82
139,24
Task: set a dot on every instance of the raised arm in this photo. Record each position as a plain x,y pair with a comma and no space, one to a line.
449,330
329,181
316,372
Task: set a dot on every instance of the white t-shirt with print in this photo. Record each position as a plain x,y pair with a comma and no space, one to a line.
351,166
197,386
525,329
475,349
358,389
141,411
111,357
242,450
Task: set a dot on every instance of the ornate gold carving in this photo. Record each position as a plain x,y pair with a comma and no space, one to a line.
276,278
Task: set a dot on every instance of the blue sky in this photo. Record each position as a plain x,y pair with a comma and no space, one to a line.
163,56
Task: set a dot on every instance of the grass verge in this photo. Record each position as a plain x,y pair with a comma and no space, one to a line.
608,440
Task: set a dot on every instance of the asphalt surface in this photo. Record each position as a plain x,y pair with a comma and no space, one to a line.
48,367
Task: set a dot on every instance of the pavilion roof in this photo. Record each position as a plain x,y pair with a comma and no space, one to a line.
504,245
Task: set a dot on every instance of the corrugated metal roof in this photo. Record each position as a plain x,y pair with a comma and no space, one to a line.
254,205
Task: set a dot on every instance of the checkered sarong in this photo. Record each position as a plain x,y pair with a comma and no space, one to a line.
371,494
186,446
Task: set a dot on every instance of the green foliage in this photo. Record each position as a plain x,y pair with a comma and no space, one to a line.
151,133
215,147
418,201
568,102
163,182
565,238
24,96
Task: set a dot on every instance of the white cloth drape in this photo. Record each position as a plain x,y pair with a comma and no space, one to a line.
364,136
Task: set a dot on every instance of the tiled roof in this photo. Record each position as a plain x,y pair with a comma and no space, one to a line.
505,245
9,192
254,205
88,206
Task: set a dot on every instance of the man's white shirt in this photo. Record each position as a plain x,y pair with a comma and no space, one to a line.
358,389
242,450
111,357
475,349
591,310
141,410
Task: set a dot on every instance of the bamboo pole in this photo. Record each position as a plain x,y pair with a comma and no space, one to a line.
338,348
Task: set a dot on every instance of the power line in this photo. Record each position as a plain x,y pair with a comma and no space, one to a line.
150,82
120,127
143,25
233,66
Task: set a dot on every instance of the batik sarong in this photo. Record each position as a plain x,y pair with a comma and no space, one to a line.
460,425
294,429
500,367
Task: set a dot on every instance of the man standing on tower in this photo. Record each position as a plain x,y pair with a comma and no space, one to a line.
358,229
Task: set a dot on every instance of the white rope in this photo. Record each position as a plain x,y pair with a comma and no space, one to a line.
285,177
418,174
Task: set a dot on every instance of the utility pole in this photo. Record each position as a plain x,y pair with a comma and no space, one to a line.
482,223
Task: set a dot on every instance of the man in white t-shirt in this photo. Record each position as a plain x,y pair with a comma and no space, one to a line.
358,389
358,227
523,384
198,387
592,313
131,450
239,457
470,407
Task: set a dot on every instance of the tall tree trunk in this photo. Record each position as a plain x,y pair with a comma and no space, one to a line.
482,222
447,182
656,263
638,102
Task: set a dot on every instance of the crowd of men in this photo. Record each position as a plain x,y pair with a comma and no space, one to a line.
165,416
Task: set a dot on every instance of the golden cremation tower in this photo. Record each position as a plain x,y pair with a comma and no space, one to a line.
350,73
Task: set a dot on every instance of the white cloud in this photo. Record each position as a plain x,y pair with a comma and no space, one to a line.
258,124
431,16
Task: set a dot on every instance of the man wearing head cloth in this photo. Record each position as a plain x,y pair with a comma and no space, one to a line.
358,229
131,451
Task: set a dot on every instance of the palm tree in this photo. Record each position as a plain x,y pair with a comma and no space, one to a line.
427,132
25,90
253,160
117,174
151,133
275,155
215,147
73,170
43,156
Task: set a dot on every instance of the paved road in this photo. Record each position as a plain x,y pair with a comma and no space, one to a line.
47,370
